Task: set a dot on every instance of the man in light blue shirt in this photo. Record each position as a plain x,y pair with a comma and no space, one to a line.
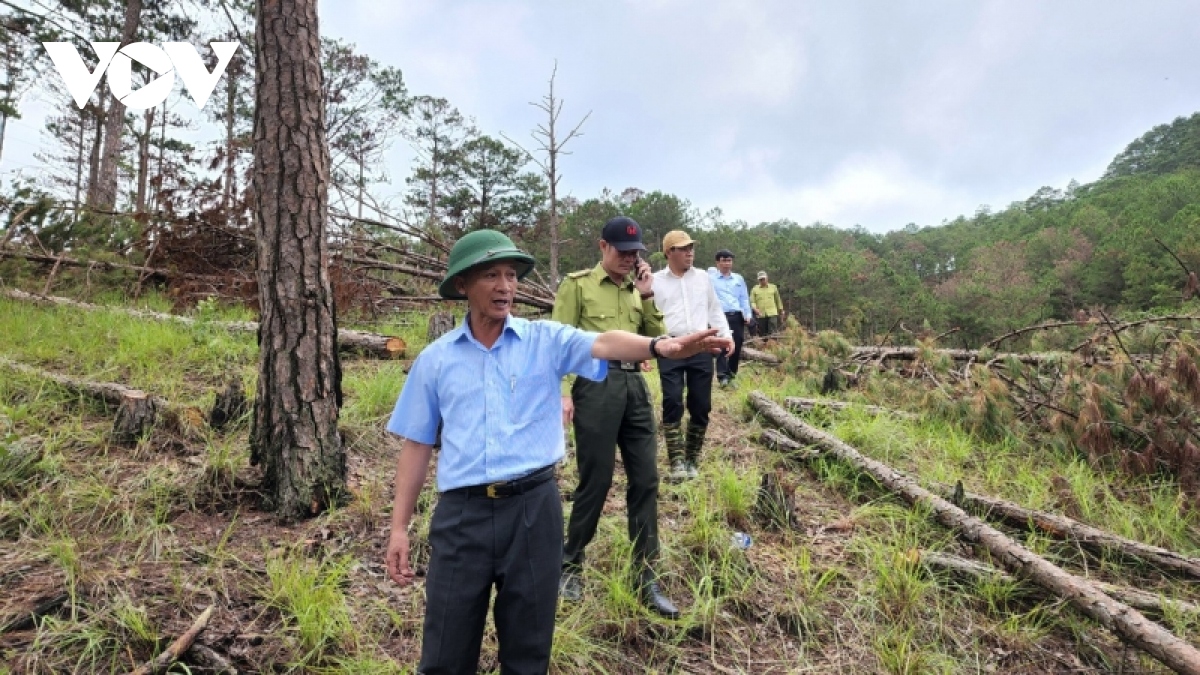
494,382
735,302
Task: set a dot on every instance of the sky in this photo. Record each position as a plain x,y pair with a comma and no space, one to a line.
853,113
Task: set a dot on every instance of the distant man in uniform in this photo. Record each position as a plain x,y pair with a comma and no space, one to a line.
689,305
735,302
498,522
767,305
616,413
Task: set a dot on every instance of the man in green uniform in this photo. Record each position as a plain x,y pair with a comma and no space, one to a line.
767,306
615,294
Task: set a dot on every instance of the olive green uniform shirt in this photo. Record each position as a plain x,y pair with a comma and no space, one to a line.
766,299
589,300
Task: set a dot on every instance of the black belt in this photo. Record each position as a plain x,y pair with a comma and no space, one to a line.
630,366
507,488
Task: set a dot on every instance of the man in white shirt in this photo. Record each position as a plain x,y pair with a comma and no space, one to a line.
689,304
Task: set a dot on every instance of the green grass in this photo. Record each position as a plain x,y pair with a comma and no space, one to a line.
136,533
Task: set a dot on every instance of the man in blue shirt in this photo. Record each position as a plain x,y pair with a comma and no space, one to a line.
498,520
735,302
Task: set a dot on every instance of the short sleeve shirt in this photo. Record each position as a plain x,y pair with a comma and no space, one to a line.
501,407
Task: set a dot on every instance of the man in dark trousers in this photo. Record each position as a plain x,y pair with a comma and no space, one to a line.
616,413
498,521
735,303
690,306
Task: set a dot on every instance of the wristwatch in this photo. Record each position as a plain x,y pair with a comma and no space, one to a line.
654,347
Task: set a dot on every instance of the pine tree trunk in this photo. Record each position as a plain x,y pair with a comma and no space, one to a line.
295,436
106,182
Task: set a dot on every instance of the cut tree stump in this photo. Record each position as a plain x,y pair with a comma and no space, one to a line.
1091,538
1117,616
135,417
975,571
775,506
230,405
440,323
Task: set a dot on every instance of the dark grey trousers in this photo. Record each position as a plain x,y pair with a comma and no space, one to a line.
514,544
615,412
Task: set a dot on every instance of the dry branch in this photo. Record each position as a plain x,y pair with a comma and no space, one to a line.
181,644
808,404
1089,537
381,346
978,571
1126,621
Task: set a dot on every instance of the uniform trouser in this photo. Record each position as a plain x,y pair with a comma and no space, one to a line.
615,412
694,373
727,366
514,543
770,325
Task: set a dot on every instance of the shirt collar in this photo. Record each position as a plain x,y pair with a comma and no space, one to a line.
515,328
601,275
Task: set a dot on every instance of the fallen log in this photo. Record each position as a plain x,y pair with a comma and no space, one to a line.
809,404
880,354
1130,624
776,440
354,341
93,264
181,644
751,354
978,571
137,410
1089,537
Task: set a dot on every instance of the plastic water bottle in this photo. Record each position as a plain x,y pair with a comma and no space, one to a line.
741,540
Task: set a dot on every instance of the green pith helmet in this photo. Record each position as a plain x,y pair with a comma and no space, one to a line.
477,248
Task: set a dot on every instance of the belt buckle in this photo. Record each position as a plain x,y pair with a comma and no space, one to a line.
491,489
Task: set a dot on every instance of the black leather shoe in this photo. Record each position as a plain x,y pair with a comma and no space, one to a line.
657,602
570,587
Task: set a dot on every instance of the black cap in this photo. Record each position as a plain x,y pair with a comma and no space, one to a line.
624,234
724,253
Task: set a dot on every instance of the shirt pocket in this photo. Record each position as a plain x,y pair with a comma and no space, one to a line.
534,395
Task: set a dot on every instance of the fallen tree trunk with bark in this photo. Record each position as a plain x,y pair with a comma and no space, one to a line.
1130,624
751,354
137,411
798,404
978,571
353,341
1094,539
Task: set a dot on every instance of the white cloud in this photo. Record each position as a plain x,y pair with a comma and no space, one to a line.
862,190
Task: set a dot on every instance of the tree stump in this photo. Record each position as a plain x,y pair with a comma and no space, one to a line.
440,323
775,507
135,417
230,405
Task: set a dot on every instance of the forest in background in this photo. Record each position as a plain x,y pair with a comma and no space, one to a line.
138,192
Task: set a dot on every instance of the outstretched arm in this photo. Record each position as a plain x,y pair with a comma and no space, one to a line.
619,345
